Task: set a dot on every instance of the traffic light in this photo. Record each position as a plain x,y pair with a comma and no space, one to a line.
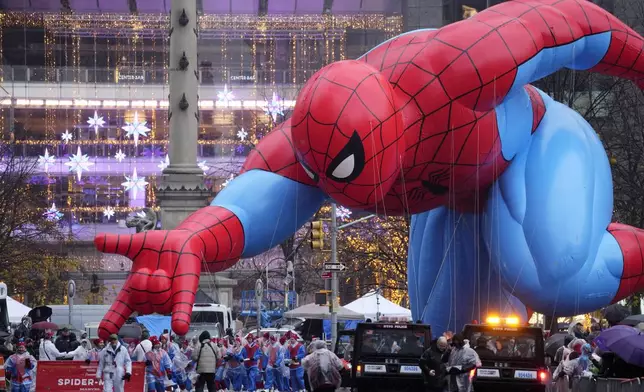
317,235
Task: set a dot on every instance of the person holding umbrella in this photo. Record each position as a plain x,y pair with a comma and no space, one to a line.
627,344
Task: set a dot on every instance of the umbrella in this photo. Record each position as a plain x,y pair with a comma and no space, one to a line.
633,320
615,313
44,325
553,343
625,342
41,313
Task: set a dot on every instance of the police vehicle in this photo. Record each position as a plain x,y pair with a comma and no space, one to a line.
512,356
385,356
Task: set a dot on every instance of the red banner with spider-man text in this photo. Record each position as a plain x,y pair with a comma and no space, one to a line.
76,376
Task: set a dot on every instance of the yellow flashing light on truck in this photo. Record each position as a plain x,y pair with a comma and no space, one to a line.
496,320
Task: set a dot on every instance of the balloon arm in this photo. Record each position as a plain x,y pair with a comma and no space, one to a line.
221,235
537,40
269,206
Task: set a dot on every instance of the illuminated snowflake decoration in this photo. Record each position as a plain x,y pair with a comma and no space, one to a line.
136,129
242,134
225,96
225,184
52,213
119,156
66,136
141,214
108,212
202,165
79,163
164,163
96,122
274,108
134,183
343,213
46,160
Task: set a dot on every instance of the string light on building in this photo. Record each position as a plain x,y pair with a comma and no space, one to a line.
202,165
164,163
119,156
52,213
242,134
275,107
96,122
46,160
225,96
343,213
134,183
136,129
66,136
108,212
79,163
228,180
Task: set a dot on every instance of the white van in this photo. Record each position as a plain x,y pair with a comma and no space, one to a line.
214,318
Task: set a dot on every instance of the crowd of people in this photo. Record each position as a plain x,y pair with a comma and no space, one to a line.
579,356
233,363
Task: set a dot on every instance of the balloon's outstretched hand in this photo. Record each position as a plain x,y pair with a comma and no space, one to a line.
166,266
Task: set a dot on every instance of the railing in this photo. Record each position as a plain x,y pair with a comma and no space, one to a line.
146,75
587,384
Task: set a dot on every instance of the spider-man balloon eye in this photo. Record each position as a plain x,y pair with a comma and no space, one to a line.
308,171
349,162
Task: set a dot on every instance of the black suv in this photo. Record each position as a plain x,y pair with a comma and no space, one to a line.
512,358
385,357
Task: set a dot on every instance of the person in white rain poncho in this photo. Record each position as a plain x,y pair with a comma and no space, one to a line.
48,350
114,366
81,352
323,368
179,364
461,361
144,347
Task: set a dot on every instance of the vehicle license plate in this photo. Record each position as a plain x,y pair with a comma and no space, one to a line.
525,374
407,369
375,369
493,373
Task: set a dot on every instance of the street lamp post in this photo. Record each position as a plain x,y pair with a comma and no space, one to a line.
334,275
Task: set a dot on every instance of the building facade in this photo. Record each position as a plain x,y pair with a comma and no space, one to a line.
85,88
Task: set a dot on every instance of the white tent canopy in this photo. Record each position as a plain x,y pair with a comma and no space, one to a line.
321,312
373,303
16,310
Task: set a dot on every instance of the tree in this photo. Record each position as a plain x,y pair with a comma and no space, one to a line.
39,278
375,253
29,262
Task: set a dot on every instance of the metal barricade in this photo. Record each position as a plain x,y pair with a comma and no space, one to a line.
586,384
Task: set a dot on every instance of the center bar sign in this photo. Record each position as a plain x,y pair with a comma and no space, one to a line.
76,376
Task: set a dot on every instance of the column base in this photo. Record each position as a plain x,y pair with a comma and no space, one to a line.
178,199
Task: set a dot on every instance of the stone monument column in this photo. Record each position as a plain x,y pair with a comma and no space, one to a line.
182,191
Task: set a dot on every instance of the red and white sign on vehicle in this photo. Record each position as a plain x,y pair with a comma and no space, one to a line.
76,376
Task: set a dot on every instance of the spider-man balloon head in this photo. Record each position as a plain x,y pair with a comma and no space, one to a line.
348,133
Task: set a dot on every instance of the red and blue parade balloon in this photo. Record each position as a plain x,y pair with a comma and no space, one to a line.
510,192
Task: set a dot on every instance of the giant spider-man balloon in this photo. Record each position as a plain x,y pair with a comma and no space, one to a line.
510,191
